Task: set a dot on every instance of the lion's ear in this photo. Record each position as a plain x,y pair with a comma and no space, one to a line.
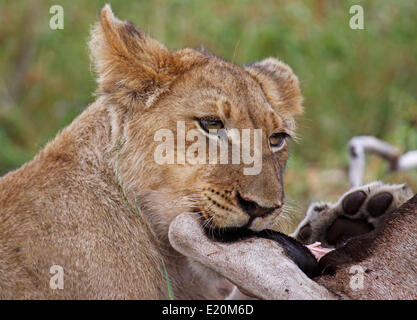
132,67
280,85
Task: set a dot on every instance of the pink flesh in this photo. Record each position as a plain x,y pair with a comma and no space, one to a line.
317,250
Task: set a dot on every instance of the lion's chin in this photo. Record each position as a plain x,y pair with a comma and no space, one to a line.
228,234
225,233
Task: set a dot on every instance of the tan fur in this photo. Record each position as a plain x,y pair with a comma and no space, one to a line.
95,201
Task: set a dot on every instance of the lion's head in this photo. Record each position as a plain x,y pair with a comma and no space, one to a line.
155,93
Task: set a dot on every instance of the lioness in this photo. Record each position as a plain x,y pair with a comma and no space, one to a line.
95,202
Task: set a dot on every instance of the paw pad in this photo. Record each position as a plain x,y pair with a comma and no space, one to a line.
305,233
353,202
343,229
358,211
379,203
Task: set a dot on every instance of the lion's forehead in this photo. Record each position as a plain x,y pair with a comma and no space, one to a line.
230,92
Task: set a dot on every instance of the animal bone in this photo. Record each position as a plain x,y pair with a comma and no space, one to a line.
265,272
358,146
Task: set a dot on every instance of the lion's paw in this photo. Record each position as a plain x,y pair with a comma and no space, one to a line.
358,211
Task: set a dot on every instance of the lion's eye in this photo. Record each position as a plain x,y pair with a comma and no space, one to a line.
210,124
277,140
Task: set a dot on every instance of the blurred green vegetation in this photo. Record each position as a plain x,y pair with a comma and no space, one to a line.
355,82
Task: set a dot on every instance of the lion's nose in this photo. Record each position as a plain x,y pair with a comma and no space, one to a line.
252,208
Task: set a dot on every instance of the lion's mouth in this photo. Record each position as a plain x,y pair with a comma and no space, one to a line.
224,233
227,233
253,209
230,234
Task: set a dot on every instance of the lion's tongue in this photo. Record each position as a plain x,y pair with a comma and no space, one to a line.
317,250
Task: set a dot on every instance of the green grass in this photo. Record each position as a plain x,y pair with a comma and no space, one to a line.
170,292
355,82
